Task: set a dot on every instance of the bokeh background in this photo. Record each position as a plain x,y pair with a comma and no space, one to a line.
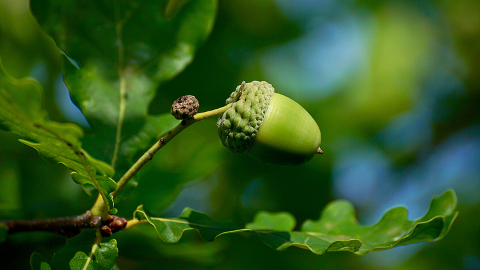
393,85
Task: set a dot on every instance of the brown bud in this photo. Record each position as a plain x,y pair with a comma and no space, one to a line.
184,107
105,231
118,224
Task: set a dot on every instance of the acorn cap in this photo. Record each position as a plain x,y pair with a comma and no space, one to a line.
238,126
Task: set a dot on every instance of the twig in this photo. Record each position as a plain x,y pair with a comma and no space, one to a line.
148,155
165,138
69,226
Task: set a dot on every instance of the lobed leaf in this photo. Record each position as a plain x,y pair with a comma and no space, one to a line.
171,230
123,46
336,230
80,252
22,112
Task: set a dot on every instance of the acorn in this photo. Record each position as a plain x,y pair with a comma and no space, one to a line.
268,126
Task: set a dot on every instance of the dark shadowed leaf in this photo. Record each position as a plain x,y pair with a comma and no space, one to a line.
38,262
80,252
336,230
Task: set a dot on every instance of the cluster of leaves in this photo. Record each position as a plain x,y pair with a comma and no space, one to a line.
336,230
22,112
119,53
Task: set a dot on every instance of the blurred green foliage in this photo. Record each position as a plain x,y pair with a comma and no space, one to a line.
393,85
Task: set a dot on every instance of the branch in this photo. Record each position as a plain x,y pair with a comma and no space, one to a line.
68,226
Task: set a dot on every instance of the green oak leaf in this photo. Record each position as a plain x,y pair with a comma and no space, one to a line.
120,52
170,230
336,230
77,254
22,112
38,262
276,222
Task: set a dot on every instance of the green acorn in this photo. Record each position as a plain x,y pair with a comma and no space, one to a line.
268,126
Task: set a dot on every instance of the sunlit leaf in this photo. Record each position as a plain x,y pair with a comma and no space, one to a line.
275,222
77,254
22,112
120,53
336,230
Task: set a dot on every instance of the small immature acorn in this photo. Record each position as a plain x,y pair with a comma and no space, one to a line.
184,107
268,126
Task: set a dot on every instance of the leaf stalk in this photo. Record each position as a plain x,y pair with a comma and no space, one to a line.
164,139
106,207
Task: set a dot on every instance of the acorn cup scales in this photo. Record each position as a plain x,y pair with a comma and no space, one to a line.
268,126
